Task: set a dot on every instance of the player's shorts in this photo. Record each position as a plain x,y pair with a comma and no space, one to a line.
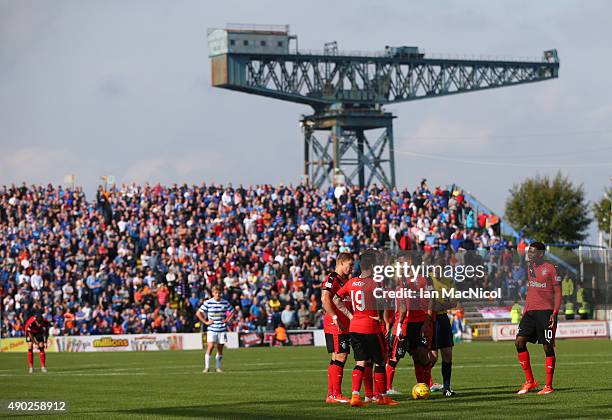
338,343
40,338
442,333
415,337
216,337
370,347
535,327
398,347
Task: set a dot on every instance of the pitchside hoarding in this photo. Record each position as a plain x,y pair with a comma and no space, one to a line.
576,329
136,342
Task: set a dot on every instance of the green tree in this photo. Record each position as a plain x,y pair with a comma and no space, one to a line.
549,210
603,211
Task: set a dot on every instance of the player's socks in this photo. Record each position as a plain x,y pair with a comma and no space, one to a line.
418,372
31,359
550,370
380,381
390,373
523,358
357,379
330,380
206,361
431,382
368,381
43,358
447,368
337,374
427,379
218,359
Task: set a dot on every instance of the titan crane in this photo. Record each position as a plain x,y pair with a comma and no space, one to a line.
348,90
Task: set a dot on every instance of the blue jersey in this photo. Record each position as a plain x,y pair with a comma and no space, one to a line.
216,311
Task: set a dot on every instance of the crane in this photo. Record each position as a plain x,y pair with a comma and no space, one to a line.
348,90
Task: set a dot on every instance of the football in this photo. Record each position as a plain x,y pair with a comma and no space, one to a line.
420,392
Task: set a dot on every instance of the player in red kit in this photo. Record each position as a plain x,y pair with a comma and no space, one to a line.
37,333
539,322
367,338
418,328
397,331
336,328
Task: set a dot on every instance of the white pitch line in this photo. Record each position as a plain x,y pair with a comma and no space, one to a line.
132,372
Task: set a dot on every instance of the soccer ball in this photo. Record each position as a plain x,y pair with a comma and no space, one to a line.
420,392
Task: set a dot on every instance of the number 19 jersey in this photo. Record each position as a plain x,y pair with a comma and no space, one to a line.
365,311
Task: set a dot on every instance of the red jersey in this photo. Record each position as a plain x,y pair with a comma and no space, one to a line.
543,288
365,312
334,282
417,306
35,328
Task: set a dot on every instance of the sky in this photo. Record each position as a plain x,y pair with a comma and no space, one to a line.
94,88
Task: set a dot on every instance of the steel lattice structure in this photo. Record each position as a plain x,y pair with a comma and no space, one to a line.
348,91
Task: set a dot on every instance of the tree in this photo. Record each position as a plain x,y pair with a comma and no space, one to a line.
603,211
549,210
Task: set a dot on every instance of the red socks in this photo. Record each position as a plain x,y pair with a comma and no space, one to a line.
427,375
368,381
380,381
390,375
550,370
43,357
418,372
335,372
357,379
339,376
422,373
31,359
330,381
523,358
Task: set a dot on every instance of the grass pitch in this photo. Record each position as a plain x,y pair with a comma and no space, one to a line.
291,382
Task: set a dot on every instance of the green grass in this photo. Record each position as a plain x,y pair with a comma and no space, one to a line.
291,382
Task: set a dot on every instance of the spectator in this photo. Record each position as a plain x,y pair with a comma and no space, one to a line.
288,317
304,316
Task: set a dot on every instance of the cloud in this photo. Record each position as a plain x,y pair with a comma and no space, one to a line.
187,167
442,135
35,164
112,86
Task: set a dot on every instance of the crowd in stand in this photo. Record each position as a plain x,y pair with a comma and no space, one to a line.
142,258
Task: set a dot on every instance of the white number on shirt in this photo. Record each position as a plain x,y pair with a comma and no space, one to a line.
357,300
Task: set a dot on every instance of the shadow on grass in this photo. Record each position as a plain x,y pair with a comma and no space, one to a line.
248,410
501,403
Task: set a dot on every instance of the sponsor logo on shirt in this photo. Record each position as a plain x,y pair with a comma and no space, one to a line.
533,283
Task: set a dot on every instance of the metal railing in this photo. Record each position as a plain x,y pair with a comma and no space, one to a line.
442,56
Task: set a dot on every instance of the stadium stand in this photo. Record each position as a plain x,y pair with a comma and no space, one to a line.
141,258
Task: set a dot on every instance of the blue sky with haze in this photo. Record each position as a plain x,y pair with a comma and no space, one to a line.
123,88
